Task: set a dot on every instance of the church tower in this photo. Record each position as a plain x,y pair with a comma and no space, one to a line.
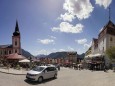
16,44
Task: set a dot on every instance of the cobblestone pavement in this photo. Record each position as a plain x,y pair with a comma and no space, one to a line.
13,71
66,77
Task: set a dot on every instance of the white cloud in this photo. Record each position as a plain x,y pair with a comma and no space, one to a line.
70,48
53,37
69,28
66,17
86,45
81,41
60,50
46,41
43,51
80,8
104,3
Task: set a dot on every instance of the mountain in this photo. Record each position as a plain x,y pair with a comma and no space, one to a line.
81,55
41,56
58,55
26,53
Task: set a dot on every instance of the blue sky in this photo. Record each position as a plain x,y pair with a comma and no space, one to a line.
54,25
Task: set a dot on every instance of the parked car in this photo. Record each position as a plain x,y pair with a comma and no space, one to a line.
40,73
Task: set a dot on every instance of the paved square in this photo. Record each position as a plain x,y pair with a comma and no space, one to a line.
66,77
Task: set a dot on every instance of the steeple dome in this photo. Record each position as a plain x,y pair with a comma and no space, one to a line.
16,32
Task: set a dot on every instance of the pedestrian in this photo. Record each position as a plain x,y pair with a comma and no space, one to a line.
105,68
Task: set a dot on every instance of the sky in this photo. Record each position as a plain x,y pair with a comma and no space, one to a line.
48,26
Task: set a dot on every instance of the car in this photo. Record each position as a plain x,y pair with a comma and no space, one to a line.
39,73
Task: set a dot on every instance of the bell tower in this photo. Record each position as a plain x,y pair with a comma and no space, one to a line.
16,40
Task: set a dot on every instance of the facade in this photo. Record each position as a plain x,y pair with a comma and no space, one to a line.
13,48
72,57
106,37
69,59
105,40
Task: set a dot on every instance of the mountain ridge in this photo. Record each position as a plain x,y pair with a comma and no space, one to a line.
55,55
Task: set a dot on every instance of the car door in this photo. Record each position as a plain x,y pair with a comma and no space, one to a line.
47,73
52,71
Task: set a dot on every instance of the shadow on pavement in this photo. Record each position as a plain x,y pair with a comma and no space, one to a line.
36,82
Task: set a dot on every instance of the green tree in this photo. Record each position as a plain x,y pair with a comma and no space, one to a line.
111,52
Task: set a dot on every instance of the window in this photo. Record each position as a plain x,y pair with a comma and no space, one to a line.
15,51
0,52
50,69
5,52
16,43
111,39
10,52
103,49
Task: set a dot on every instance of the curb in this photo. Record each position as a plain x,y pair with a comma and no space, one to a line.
11,73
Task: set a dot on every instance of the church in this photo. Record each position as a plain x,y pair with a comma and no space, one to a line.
15,47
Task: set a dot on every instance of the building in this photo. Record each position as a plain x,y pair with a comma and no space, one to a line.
72,57
105,40
106,37
15,47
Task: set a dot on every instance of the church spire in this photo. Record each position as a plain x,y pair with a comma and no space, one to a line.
16,32
16,27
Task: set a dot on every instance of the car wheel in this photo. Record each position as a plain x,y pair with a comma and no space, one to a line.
40,79
55,76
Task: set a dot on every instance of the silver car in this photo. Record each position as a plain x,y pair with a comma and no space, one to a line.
40,73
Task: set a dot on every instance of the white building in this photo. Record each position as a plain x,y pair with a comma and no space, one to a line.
105,40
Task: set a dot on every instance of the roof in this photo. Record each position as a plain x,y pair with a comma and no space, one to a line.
16,32
6,46
109,28
95,40
15,56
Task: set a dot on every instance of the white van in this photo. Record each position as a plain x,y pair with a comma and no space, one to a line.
40,73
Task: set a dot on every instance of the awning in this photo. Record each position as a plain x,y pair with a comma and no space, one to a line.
89,56
98,54
93,55
24,61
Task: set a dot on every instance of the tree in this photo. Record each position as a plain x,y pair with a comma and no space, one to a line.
111,52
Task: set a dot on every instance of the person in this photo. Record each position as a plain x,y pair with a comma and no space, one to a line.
58,66
105,68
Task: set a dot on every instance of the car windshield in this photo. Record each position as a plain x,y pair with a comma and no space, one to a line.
38,68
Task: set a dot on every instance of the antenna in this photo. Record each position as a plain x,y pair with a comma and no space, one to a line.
109,13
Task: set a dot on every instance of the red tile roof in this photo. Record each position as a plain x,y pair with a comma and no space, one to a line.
16,56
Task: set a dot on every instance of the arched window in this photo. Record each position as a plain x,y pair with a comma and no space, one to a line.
15,51
15,43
